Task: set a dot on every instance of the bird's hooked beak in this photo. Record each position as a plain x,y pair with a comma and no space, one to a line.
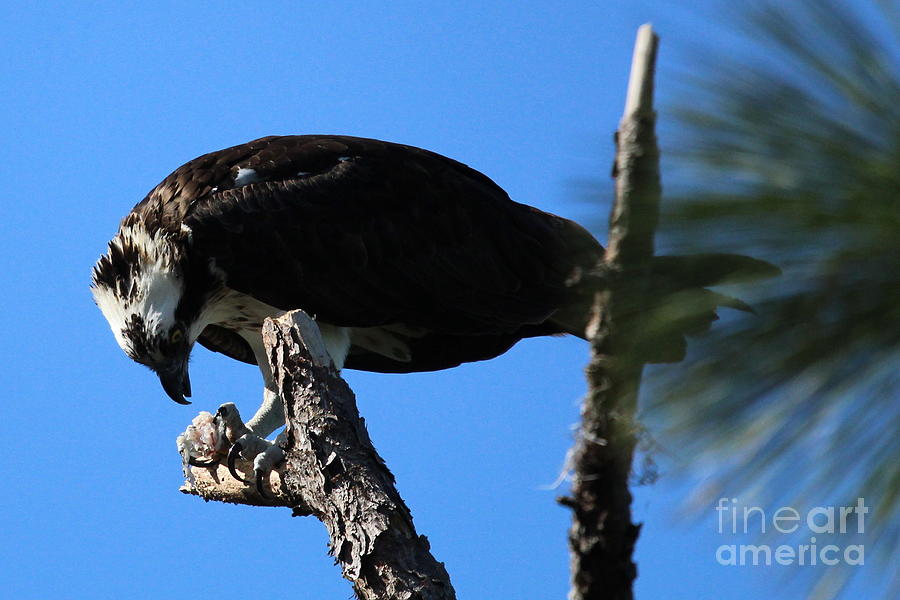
176,381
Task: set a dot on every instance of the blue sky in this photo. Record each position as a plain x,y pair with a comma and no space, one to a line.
101,101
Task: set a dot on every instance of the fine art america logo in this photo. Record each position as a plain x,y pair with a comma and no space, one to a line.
831,523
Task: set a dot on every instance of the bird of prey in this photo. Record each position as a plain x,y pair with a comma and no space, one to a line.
407,260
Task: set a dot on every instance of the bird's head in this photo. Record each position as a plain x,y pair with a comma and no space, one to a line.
138,286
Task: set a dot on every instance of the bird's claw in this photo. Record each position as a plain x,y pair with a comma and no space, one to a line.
265,455
264,463
233,454
203,464
208,440
260,488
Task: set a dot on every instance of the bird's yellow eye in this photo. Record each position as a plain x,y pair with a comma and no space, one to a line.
176,336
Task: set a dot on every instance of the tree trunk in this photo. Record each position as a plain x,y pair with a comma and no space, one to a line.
602,536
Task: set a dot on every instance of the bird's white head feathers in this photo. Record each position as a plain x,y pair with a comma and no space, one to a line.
137,285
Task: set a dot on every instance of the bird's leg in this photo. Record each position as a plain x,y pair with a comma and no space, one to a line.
252,445
270,415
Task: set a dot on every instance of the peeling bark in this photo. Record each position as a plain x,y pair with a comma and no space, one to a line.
333,472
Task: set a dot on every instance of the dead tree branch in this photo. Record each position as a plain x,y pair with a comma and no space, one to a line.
333,472
602,536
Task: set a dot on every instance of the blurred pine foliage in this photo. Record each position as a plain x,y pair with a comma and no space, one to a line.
796,161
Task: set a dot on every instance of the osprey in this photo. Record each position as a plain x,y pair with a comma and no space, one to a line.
407,260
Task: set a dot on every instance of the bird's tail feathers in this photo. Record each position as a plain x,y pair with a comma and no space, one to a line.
677,304
702,270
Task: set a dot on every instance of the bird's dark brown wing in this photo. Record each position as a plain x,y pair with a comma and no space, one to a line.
363,233
229,343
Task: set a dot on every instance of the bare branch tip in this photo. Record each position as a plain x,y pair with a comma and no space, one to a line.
643,64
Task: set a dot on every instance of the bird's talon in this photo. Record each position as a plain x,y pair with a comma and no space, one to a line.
233,455
203,464
207,442
260,484
264,463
